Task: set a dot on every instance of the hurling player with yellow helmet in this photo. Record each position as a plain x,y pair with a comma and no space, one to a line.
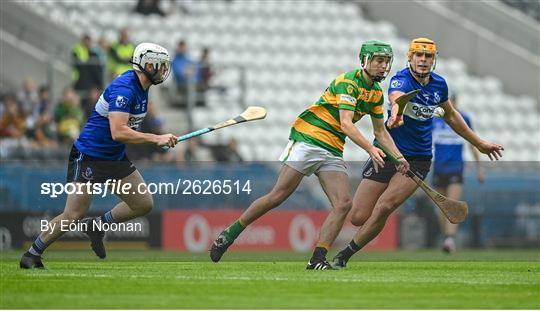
382,191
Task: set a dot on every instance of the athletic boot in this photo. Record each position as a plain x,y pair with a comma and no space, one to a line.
96,237
29,261
449,245
339,261
219,247
319,264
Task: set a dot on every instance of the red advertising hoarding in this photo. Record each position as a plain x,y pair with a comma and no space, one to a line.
194,230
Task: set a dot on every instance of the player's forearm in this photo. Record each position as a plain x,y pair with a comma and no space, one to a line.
126,135
456,122
384,138
354,134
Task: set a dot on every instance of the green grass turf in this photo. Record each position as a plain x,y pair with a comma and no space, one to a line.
496,279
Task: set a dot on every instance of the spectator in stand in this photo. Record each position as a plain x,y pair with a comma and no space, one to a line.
39,124
12,121
87,67
69,116
229,153
194,151
204,76
148,7
102,50
184,69
205,69
88,103
27,97
121,53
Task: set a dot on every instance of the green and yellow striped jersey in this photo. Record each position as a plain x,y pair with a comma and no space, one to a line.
320,125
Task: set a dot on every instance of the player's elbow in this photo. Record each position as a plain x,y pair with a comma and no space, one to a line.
117,135
346,127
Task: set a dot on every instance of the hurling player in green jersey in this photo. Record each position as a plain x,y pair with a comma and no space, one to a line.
316,146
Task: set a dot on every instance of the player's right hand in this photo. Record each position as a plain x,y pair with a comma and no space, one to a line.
166,140
395,121
376,156
403,166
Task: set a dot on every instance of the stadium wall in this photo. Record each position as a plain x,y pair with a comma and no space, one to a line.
486,53
32,46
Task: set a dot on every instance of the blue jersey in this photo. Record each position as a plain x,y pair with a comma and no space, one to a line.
448,147
414,137
124,94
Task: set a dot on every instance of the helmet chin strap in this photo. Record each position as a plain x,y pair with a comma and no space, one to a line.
416,73
148,75
374,78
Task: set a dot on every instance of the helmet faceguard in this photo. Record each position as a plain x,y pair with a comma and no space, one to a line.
371,49
157,56
426,46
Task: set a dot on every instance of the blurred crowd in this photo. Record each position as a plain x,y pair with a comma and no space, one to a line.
32,126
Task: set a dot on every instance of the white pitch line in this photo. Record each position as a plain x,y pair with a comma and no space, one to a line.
281,279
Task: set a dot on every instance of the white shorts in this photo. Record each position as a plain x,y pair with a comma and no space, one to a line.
309,159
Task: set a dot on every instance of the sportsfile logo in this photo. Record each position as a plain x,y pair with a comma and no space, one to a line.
118,187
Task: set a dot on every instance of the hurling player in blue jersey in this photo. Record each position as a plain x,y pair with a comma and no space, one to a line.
381,192
448,168
98,155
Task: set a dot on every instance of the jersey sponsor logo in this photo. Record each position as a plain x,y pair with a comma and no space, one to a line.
350,89
121,102
396,83
419,111
347,98
135,120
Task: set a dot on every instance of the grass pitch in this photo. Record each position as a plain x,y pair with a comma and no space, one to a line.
169,280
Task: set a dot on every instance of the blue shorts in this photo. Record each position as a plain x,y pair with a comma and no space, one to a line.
84,168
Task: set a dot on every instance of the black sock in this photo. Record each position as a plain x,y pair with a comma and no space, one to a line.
319,254
350,250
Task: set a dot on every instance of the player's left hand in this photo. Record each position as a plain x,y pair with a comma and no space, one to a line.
494,151
395,121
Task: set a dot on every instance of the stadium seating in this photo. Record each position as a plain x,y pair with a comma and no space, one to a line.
291,51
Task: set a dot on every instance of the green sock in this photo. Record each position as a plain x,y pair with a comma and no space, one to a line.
233,231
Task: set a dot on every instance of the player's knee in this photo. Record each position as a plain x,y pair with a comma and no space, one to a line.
385,208
359,219
276,197
343,207
73,215
145,205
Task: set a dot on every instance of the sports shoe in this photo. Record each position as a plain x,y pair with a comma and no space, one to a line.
96,237
449,245
219,247
29,261
319,265
339,261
